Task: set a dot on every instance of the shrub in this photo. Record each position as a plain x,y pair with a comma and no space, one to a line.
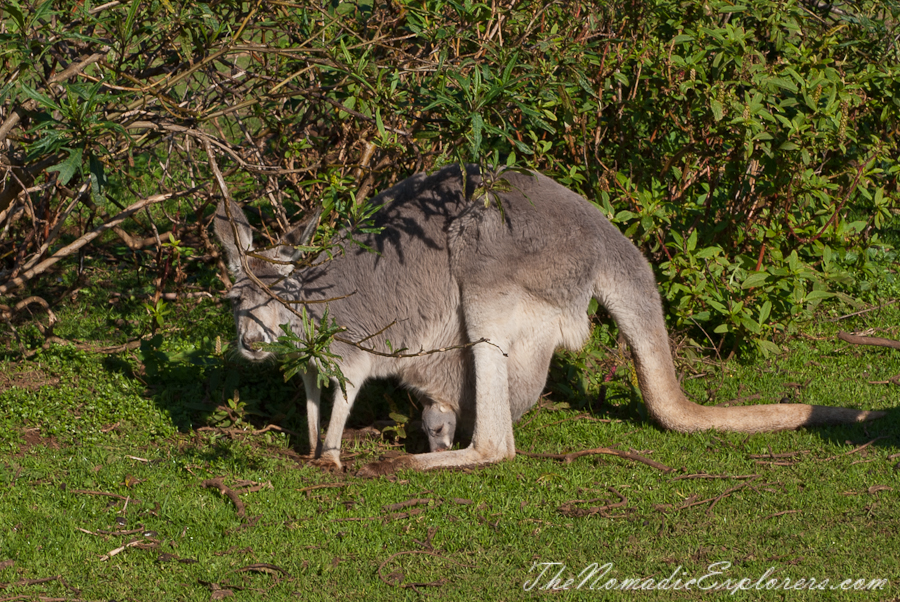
750,148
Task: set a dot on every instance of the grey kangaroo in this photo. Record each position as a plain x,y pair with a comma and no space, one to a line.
448,271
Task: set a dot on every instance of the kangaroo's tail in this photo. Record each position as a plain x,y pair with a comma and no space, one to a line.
627,288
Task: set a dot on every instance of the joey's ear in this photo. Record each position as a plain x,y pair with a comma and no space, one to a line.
299,236
226,234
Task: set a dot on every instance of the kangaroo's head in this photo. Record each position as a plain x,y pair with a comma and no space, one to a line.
257,314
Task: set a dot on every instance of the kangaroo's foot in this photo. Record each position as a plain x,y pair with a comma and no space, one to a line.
329,461
384,467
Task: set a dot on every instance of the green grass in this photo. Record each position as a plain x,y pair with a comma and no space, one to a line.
99,451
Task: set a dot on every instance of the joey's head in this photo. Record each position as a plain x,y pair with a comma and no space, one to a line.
439,424
258,280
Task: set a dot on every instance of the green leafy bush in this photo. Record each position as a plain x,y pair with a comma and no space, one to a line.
750,148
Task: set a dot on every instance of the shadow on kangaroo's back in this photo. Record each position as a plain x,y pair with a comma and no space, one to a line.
450,271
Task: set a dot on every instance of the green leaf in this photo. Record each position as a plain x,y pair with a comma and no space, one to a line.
767,347
764,311
718,109
814,295
16,15
477,127
69,167
132,11
379,123
41,99
398,418
98,178
755,279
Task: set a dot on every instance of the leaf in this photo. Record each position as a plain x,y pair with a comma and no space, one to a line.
755,279
399,418
718,109
132,11
41,99
692,241
16,15
98,178
764,311
69,167
814,295
379,123
767,347
477,127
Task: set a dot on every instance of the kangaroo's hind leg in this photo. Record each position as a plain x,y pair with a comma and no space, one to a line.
492,438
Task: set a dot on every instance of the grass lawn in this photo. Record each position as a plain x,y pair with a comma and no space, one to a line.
141,475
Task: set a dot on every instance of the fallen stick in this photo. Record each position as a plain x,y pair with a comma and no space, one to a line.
227,491
877,342
703,475
569,457
718,498
853,451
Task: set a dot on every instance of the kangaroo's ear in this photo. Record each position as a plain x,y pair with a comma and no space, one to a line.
226,234
297,237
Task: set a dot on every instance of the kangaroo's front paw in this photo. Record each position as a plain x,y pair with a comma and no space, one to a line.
384,467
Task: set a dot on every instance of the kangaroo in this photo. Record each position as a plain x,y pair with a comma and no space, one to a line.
439,423
449,271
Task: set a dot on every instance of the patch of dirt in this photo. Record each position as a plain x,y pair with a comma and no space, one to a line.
32,437
30,380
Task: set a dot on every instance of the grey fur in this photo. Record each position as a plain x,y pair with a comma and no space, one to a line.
448,271
439,424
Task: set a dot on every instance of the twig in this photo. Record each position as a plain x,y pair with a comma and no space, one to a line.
718,498
703,475
875,341
225,490
740,400
863,311
770,455
894,380
568,508
408,503
135,543
569,457
397,578
105,494
782,513
853,451
71,248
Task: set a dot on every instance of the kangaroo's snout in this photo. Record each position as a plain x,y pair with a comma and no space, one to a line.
252,341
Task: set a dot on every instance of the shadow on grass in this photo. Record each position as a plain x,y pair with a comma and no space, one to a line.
198,387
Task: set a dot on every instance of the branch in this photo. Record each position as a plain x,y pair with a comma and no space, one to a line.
877,342
63,75
27,275
567,458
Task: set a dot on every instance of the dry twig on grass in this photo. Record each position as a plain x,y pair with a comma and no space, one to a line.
715,500
569,457
876,341
569,508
